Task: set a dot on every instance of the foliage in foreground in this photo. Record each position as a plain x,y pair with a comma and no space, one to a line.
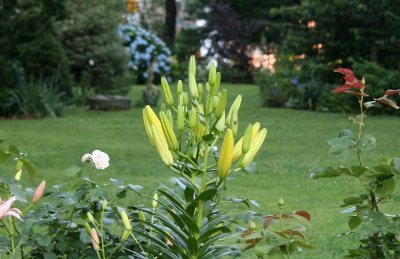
378,232
185,219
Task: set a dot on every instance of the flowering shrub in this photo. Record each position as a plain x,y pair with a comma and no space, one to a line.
146,50
378,232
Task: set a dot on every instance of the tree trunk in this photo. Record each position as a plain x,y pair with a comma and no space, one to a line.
170,22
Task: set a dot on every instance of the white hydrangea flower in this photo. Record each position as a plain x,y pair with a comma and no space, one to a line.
86,158
100,159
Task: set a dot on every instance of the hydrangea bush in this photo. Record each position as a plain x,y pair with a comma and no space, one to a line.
146,50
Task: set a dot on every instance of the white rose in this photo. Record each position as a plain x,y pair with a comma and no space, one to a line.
100,159
86,158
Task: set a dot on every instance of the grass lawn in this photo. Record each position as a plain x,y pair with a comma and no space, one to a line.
296,144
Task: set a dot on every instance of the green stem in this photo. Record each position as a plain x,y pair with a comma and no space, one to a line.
101,233
11,235
200,207
281,224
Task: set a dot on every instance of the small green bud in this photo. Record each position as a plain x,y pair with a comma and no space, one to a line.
185,99
155,200
212,74
192,66
179,87
220,126
281,202
142,217
167,91
125,220
252,225
181,118
88,228
215,102
235,106
248,134
235,123
193,86
221,104
200,89
90,217
162,107
215,89
104,205
192,118
125,235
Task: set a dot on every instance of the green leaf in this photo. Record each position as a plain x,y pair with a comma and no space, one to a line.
73,171
84,237
367,142
17,190
350,201
346,133
207,195
358,170
380,171
193,248
4,156
30,168
189,192
354,222
208,137
378,218
328,172
43,240
135,188
388,186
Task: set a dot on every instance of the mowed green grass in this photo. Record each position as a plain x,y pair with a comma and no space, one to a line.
296,144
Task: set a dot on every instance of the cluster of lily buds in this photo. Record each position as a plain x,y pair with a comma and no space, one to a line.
201,120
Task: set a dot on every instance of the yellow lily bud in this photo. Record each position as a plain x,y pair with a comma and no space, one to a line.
199,130
220,125
185,99
192,118
209,105
200,89
169,99
169,116
161,145
237,150
180,121
256,128
142,217
193,86
125,220
225,158
155,200
235,123
149,117
248,134
221,104
235,106
255,146
18,168
125,235
169,131
192,66
179,87
212,74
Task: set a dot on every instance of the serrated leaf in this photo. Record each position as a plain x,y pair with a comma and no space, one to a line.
367,142
346,133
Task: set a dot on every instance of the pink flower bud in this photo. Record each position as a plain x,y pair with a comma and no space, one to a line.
39,192
95,239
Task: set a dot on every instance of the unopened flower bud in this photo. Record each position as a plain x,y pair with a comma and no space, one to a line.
192,66
95,239
88,229
169,131
39,192
254,147
192,118
90,217
180,121
149,118
225,158
199,130
161,145
234,107
193,86
200,89
125,220
104,205
215,88
86,158
179,87
247,138
155,200
212,74
220,125
185,99
125,235
235,123
221,104
169,99
142,218
281,202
